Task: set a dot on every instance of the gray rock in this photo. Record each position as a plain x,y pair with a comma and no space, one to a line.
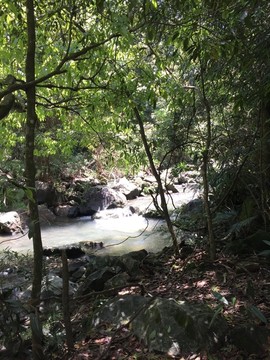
46,216
73,212
63,210
100,198
96,280
118,280
130,190
52,285
132,262
46,193
99,262
78,274
166,325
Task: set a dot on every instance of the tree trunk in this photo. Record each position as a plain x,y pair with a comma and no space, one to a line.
65,302
30,174
164,206
205,164
264,161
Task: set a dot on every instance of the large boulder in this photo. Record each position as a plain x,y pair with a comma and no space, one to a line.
10,223
166,325
46,216
100,198
46,193
130,190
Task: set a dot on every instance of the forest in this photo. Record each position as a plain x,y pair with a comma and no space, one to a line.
111,88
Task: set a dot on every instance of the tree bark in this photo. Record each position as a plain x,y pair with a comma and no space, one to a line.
65,302
30,173
204,169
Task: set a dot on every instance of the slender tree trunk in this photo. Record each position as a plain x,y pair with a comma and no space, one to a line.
204,169
264,161
65,302
30,173
164,206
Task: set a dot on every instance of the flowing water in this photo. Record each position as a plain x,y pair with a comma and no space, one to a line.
130,232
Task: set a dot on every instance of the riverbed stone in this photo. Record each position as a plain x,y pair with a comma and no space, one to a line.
46,216
100,198
46,193
129,189
10,223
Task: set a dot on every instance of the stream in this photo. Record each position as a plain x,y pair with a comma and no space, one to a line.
119,235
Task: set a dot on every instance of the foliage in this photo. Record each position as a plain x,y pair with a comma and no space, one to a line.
251,310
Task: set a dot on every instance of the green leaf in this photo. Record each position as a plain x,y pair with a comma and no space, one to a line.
217,311
220,298
154,3
264,253
255,311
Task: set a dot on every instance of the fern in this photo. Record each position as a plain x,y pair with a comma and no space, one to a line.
242,226
225,216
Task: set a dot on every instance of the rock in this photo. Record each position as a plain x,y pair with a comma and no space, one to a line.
182,179
73,212
63,210
132,266
90,247
76,264
138,255
130,190
78,274
96,281
121,279
10,223
46,193
99,262
100,198
72,252
193,206
171,187
46,216
52,285
166,325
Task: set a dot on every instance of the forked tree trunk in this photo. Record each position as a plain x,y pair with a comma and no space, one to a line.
30,173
